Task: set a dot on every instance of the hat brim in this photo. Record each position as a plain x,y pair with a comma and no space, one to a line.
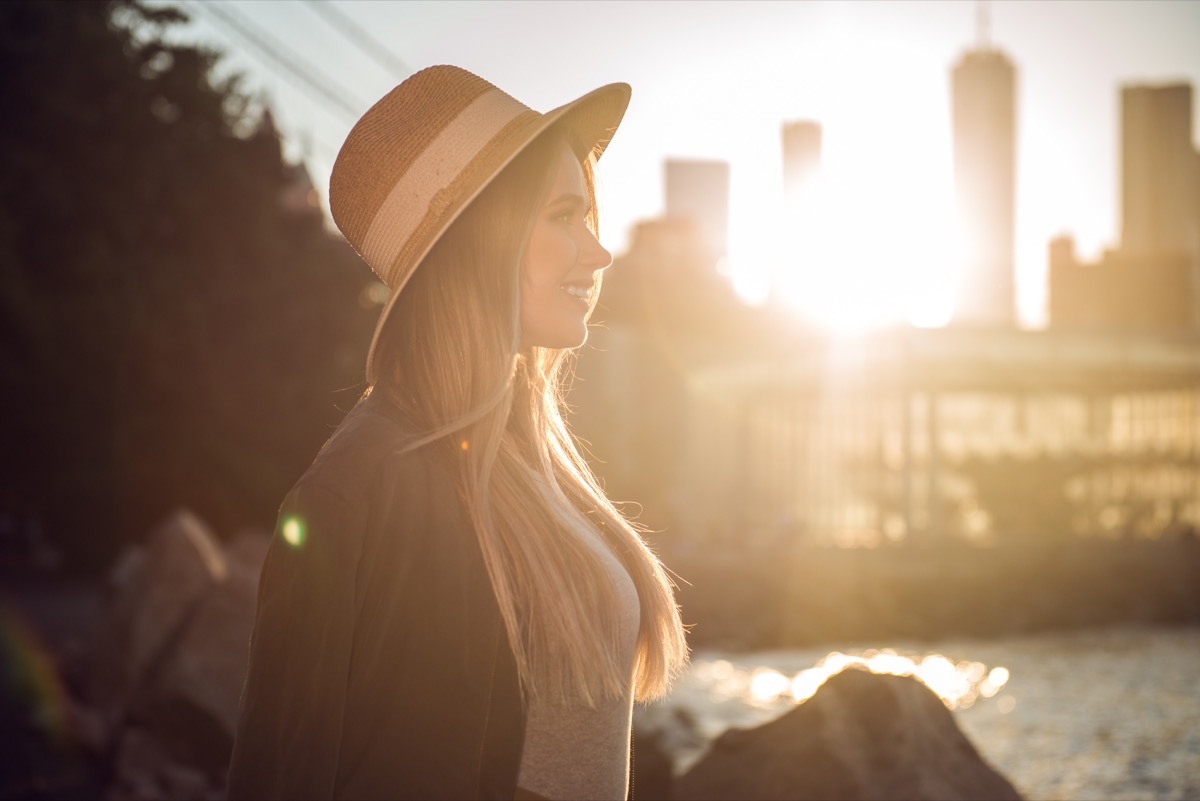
592,118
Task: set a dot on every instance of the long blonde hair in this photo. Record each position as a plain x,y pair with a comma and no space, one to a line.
451,360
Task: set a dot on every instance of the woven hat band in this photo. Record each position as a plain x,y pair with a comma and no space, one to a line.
423,189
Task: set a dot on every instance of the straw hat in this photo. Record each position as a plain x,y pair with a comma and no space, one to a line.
415,159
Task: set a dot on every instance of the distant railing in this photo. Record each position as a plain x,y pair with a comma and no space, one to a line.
928,435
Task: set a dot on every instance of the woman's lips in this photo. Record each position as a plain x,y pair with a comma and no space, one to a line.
579,292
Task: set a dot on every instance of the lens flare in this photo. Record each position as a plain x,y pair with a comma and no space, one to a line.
293,531
31,678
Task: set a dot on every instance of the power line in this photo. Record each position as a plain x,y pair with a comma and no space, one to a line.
311,81
361,38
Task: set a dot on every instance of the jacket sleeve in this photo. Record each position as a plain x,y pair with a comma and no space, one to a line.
289,729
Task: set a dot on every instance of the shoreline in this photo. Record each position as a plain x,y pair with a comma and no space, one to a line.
746,599
1101,712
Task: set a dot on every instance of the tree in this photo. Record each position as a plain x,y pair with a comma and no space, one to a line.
174,335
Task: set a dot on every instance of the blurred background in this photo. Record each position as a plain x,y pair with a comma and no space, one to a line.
898,361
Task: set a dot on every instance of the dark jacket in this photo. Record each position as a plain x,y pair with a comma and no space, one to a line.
379,664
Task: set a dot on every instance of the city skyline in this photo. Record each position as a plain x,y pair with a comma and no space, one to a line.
1151,279
719,82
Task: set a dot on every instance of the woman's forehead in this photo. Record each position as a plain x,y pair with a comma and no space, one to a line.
568,177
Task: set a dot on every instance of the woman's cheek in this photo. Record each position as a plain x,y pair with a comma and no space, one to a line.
567,252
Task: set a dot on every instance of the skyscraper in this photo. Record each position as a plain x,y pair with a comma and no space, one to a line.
1160,187
1152,280
983,89
699,191
1160,181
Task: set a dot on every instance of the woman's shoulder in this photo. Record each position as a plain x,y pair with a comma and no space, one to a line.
368,480
372,441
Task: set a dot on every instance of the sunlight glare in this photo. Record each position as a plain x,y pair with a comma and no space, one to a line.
807,682
850,258
767,685
751,284
868,238
995,680
891,664
957,684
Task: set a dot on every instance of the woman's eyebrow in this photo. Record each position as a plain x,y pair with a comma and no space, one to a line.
569,197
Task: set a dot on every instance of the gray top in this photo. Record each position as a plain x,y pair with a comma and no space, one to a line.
574,752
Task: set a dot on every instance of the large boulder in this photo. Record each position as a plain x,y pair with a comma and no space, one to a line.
194,698
157,590
862,736
171,659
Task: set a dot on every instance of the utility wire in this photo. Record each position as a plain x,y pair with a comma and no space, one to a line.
309,80
360,38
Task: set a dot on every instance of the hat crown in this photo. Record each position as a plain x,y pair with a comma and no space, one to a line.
401,159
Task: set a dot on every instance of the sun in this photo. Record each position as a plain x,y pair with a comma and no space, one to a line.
853,253
869,238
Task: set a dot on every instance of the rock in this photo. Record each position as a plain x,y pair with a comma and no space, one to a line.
126,569
674,728
249,549
139,757
172,656
184,783
145,770
862,736
156,594
652,767
87,725
194,701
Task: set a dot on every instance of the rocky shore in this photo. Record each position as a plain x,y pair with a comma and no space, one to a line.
144,699
130,690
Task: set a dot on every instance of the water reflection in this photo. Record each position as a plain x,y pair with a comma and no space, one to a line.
958,684
1094,713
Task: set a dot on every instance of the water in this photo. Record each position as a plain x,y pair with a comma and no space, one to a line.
1109,713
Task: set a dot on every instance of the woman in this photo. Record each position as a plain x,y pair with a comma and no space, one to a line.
451,607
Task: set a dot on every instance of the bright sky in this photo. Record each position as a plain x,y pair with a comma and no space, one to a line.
717,80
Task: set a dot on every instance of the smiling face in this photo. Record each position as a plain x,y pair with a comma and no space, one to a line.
559,277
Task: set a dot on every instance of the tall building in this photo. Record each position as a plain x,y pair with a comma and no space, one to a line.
983,96
1160,187
1152,280
801,155
698,191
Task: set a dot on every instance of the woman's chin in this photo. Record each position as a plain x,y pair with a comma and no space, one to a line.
565,339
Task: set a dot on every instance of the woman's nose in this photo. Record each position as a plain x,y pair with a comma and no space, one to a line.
596,257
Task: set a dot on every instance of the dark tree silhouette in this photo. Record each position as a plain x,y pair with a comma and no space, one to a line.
174,334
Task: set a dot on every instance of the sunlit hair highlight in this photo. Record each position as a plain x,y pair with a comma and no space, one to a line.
451,360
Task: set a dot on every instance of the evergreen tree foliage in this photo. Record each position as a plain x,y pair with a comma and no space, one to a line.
174,335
